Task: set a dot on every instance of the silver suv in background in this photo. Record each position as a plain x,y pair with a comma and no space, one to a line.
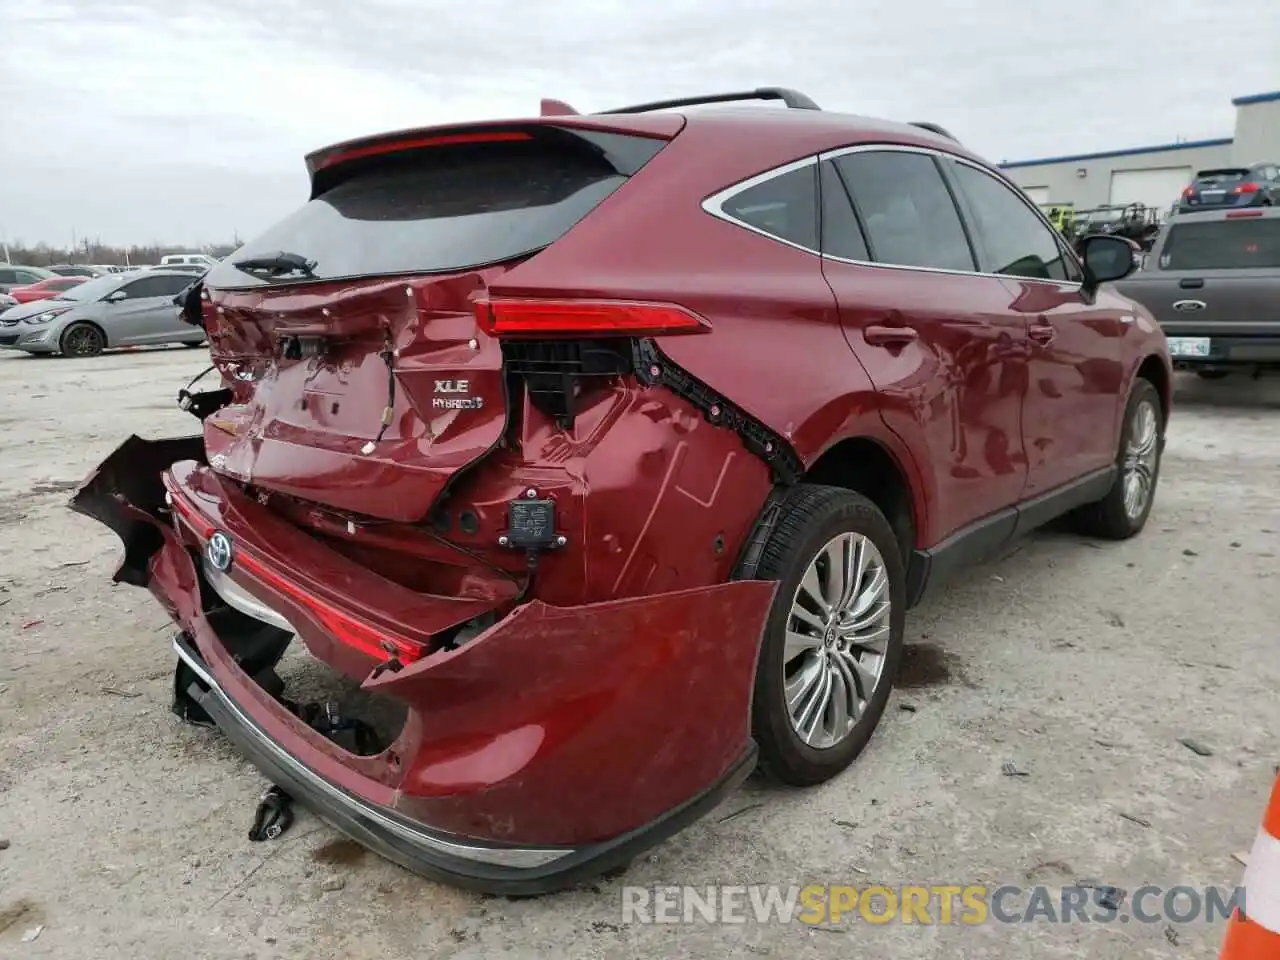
118,310
1212,280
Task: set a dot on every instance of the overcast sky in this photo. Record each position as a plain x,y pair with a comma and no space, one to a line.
186,121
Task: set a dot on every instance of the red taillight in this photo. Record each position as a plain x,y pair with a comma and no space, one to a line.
343,626
1188,192
1238,214
417,143
502,317
1247,188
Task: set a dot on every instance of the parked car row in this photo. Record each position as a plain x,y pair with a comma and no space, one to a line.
21,275
86,316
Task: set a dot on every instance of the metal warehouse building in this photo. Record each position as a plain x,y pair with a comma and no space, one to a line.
1156,175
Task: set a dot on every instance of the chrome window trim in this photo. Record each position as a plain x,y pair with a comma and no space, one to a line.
714,205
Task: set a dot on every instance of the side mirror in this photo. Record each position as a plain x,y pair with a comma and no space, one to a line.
115,296
1107,257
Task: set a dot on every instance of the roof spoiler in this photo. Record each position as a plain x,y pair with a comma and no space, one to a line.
934,128
557,108
793,99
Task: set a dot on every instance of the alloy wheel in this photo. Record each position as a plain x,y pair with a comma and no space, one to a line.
82,341
1140,454
837,639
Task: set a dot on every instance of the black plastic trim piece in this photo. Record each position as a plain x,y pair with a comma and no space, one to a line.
976,542
126,493
653,367
791,98
201,405
1038,511
749,559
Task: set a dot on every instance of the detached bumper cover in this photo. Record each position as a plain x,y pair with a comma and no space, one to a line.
556,745
494,868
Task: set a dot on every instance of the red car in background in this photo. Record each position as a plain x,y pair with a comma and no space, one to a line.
49,287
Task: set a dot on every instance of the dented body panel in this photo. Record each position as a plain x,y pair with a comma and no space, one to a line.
560,726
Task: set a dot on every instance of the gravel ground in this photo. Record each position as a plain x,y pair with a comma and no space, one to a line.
1081,663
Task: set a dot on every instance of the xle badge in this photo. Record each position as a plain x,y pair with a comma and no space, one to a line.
455,395
218,551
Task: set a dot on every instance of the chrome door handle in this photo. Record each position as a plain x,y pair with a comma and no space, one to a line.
1188,306
1042,333
881,336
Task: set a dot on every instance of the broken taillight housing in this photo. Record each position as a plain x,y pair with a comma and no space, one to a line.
540,319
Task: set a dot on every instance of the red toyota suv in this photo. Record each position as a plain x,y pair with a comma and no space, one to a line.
612,449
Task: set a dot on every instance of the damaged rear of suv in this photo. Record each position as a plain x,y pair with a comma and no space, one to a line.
554,433
436,465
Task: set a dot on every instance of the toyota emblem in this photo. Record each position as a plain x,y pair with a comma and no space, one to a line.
219,551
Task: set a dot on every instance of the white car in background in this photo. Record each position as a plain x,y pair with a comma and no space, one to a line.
183,259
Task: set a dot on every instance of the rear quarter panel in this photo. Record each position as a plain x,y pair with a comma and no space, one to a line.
776,348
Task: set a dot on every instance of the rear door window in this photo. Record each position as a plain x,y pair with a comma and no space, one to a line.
1015,242
784,206
842,235
906,209
441,209
1237,244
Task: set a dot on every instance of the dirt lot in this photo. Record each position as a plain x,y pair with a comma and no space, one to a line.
1081,663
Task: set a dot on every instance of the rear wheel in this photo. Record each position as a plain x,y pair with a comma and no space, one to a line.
1123,512
833,640
82,340
192,344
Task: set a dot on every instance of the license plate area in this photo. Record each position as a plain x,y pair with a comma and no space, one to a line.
1213,196
1189,346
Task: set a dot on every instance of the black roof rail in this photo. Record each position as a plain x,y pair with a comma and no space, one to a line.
791,98
934,128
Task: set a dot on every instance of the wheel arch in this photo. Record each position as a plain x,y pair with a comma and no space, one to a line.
1154,370
868,465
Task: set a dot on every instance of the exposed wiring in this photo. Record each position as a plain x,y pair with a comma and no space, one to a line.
388,357
440,538
200,376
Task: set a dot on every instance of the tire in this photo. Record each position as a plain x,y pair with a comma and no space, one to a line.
1213,374
813,518
82,340
192,344
1111,518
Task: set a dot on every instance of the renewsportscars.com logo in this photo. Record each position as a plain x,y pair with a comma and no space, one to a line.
941,904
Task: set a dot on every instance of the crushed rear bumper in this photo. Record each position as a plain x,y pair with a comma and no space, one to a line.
494,868
553,747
